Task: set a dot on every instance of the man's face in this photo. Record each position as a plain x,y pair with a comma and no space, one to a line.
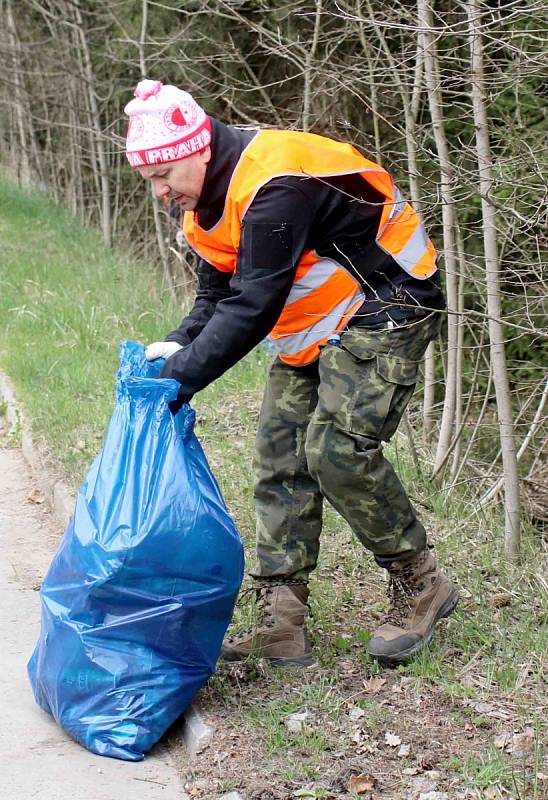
181,180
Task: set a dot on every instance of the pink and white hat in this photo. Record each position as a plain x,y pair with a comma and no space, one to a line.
165,124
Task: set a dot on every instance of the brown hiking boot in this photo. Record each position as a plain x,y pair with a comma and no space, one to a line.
420,595
280,631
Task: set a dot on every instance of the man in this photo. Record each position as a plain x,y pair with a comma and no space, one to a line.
301,238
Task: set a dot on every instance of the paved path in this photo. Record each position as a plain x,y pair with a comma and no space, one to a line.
38,761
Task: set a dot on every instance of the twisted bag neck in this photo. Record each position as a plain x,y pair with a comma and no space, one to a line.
138,382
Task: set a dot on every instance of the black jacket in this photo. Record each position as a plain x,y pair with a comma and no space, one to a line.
337,217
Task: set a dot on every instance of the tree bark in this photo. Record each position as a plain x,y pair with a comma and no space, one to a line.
449,217
160,235
308,69
23,164
106,223
492,276
372,85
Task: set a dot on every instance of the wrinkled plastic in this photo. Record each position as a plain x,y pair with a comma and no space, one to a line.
139,595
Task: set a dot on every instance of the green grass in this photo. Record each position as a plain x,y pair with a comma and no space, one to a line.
495,768
65,304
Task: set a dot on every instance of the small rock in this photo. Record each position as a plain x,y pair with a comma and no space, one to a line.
232,796
501,741
195,788
356,713
433,796
426,783
404,750
295,722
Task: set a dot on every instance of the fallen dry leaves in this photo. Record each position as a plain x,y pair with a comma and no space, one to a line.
359,784
392,740
373,685
36,496
488,709
500,599
522,743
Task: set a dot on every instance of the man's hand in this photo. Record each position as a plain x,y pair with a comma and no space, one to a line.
161,350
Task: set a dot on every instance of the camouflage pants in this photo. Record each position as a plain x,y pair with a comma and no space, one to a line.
320,435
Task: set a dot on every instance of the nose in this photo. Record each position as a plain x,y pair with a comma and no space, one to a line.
161,188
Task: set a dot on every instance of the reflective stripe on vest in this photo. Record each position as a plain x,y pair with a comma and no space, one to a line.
324,295
302,347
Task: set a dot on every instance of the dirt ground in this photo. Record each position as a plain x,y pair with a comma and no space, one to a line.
383,735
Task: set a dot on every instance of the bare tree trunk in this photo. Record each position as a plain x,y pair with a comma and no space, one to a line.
535,425
435,101
23,171
429,397
372,85
308,69
410,104
102,157
460,349
155,205
492,274
411,108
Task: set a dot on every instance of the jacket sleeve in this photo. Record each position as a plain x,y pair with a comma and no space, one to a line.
213,286
275,230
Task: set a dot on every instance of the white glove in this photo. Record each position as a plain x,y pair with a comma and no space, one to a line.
161,350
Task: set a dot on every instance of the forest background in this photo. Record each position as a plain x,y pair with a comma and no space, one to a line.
447,96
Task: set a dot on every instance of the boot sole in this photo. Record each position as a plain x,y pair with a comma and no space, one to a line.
296,661
397,658
299,661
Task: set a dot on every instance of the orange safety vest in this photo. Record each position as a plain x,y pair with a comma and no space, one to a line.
324,295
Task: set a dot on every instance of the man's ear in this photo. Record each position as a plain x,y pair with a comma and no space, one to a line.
206,154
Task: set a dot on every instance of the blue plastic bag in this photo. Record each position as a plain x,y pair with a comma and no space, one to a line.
139,595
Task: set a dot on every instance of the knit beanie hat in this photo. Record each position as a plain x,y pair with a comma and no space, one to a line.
165,124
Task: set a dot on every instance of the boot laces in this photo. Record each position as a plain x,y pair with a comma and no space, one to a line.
401,590
264,617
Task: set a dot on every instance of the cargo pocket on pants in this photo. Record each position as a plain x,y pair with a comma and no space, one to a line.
401,374
382,392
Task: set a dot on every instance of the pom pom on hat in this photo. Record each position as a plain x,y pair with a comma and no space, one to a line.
165,124
146,89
